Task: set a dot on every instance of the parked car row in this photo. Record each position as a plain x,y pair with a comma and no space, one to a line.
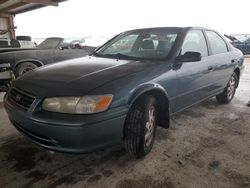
123,90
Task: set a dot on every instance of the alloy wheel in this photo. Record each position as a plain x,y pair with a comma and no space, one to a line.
150,126
25,67
231,87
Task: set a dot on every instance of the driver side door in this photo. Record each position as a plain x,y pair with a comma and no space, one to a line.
193,77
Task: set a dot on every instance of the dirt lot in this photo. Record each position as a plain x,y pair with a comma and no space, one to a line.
206,146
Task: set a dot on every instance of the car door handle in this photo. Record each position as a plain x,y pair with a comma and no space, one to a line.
210,68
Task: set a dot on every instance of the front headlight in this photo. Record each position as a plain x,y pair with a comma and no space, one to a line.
78,105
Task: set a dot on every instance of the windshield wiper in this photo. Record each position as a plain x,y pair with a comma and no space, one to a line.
118,56
122,56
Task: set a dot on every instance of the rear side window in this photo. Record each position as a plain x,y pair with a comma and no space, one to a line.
195,42
217,44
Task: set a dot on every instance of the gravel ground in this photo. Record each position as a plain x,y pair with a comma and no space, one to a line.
207,145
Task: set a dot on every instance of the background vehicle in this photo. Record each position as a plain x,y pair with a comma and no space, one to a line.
241,41
49,51
124,90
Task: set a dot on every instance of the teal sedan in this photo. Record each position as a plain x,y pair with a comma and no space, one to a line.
124,89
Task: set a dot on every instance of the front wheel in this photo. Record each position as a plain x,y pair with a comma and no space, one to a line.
25,67
227,95
140,126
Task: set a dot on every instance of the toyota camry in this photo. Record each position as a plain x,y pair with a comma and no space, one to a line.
124,89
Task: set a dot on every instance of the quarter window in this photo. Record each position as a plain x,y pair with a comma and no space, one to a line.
217,44
195,42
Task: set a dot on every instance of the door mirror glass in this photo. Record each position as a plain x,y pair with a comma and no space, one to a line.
189,57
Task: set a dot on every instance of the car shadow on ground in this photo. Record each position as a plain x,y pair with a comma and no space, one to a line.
29,164
20,156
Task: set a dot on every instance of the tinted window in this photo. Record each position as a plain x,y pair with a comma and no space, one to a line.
217,44
195,42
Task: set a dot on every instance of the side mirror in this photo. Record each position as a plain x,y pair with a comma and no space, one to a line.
189,57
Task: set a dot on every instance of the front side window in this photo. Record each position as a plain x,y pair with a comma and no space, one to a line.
195,42
140,44
217,44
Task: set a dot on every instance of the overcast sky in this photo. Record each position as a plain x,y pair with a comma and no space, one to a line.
109,17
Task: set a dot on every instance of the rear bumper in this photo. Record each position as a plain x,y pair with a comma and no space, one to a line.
70,133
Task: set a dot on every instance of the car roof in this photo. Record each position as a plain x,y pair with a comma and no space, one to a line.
171,28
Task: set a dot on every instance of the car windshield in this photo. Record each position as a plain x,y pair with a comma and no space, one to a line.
140,44
50,43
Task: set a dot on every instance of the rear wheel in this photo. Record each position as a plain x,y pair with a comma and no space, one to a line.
25,67
227,95
140,126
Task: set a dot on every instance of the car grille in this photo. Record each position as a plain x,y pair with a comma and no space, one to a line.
20,98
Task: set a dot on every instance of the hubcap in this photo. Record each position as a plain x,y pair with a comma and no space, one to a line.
231,87
150,126
26,67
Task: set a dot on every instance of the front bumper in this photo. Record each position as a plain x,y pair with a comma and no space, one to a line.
69,133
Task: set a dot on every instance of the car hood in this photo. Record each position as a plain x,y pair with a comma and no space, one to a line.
78,76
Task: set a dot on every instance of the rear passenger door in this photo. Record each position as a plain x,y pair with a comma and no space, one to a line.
193,77
223,60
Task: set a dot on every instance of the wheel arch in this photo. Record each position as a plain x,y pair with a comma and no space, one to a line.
160,95
35,61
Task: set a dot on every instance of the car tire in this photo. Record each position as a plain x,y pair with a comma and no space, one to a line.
140,126
24,67
227,95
